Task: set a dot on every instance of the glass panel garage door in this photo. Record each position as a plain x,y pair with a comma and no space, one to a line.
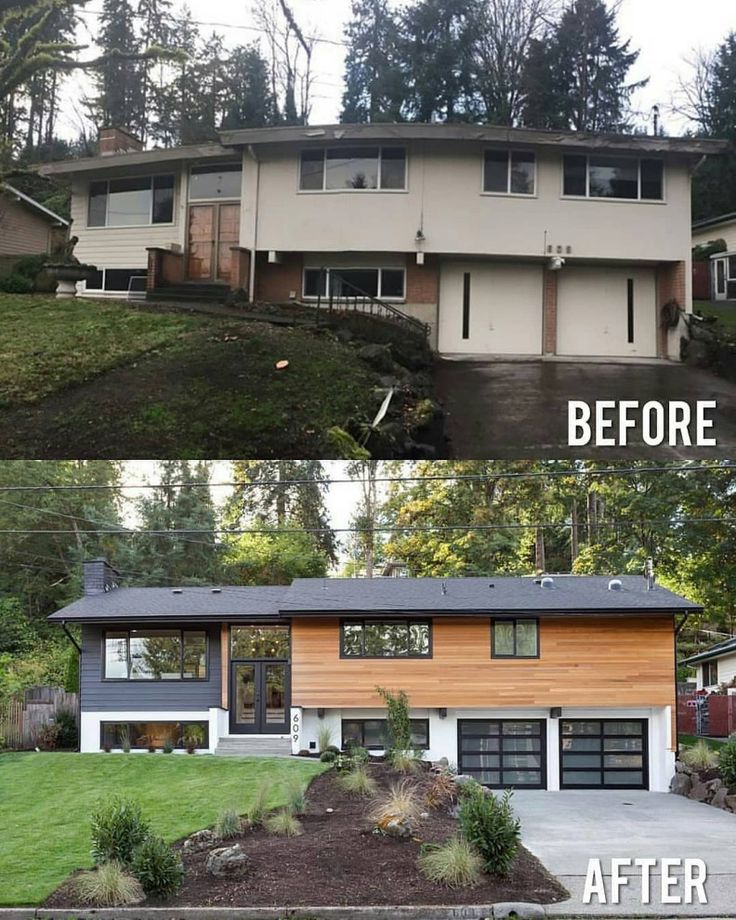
503,752
603,753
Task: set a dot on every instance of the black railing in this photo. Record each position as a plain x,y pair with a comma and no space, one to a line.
352,299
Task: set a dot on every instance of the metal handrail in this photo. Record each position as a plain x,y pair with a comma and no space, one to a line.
360,301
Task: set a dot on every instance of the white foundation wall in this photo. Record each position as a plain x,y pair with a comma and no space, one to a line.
443,733
89,727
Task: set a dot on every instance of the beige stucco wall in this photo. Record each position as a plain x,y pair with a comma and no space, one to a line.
725,232
444,196
22,233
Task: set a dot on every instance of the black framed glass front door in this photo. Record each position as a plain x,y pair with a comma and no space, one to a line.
260,697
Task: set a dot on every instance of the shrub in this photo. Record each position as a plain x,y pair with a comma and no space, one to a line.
47,738
398,725
168,746
109,885
443,791
489,825
357,782
701,756
66,722
295,796
158,868
193,738
228,824
453,863
258,809
284,824
16,284
400,801
324,738
406,761
727,762
71,672
117,829
328,756
125,739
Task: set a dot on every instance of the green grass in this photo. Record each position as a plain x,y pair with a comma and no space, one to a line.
46,802
690,740
725,313
48,344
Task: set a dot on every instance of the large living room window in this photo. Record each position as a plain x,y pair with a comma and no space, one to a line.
615,177
155,654
131,202
386,639
515,638
383,283
355,169
509,172
372,734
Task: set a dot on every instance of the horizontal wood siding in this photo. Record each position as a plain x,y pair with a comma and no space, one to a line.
99,695
596,661
22,233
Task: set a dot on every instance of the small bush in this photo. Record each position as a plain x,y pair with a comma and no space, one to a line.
489,825
193,738
701,756
158,868
406,761
284,824
168,747
258,809
727,762
443,791
454,864
333,749
117,829
67,724
357,782
324,738
47,738
228,824
109,885
328,756
398,725
295,795
16,284
401,802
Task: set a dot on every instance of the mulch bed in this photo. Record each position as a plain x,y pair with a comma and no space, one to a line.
340,861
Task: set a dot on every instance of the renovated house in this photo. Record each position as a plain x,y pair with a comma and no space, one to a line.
715,666
27,228
564,682
722,265
499,241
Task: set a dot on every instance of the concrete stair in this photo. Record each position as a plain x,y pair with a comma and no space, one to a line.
254,746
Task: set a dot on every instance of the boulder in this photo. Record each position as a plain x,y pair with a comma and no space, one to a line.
201,840
699,791
462,779
227,862
719,799
378,356
681,767
731,802
398,826
681,784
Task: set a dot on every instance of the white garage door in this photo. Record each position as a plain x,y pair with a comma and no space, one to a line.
490,309
606,312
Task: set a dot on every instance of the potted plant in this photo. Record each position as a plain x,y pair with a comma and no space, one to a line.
193,738
68,270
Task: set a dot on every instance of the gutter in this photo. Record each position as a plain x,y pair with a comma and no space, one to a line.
678,630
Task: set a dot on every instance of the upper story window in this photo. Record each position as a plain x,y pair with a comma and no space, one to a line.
613,177
156,654
509,172
131,202
353,169
710,674
208,182
515,638
386,639
259,642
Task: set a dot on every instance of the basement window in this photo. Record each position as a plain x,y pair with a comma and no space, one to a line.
382,283
372,734
142,735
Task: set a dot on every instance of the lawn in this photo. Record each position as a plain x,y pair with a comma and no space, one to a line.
95,379
47,799
725,313
690,740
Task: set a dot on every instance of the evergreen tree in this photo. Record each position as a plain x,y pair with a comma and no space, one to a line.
577,78
120,82
156,31
374,82
248,102
176,117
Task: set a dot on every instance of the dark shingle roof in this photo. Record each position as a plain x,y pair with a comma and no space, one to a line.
568,595
727,647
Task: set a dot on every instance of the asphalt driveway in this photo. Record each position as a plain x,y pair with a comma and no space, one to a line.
566,829
518,409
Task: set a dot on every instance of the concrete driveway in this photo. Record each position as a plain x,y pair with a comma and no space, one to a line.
518,409
566,829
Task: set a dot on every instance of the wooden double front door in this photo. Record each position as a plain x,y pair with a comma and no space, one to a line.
213,230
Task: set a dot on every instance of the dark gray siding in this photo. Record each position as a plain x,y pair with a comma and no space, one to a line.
99,695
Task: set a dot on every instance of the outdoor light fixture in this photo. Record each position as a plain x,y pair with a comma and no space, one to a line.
555,712
442,712
320,713
555,263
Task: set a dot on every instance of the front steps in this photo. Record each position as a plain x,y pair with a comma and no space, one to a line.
254,746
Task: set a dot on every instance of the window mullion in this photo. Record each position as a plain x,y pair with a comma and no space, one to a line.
129,656
508,172
587,176
638,177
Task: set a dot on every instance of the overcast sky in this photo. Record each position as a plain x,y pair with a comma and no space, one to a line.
665,31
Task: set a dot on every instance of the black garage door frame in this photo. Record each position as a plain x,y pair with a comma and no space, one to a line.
542,723
644,735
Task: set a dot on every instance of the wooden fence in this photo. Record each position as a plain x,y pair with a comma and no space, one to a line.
22,717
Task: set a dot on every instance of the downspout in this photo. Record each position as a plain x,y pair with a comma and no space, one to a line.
678,629
254,250
78,647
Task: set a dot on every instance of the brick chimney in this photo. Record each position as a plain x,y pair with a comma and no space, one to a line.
99,576
118,140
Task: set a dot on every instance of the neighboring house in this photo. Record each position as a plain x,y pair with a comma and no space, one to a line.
530,682
715,666
503,240
722,273
27,228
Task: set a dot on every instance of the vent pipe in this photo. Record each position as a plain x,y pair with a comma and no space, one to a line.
651,578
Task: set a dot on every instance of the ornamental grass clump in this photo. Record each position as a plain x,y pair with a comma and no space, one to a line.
324,738
109,885
489,825
228,824
409,761
258,809
701,756
442,793
295,795
357,781
400,803
454,864
283,824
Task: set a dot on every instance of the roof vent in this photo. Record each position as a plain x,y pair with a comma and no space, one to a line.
615,584
491,585
547,582
177,590
444,588
217,590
